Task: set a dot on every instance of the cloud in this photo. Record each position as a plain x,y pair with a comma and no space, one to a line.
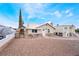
67,11
43,18
33,9
36,10
70,14
57,14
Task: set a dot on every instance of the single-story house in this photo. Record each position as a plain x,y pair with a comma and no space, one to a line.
40,29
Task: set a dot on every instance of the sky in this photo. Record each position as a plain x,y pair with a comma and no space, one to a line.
38,13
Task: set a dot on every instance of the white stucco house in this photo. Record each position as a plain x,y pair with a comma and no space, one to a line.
40,29
65,30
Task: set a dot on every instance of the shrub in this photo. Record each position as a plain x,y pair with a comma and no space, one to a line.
77,30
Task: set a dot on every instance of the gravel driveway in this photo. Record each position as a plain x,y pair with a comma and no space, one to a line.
41,47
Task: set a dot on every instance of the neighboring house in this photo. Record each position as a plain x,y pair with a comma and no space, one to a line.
40,29
65,30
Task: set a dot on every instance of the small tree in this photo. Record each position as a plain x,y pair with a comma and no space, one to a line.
77,30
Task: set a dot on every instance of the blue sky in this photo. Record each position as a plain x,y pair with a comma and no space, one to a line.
60,13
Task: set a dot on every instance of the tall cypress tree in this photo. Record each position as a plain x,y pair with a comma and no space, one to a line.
20,20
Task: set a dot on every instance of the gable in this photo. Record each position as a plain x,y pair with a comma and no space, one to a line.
46,26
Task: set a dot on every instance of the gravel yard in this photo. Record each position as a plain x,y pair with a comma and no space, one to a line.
41,47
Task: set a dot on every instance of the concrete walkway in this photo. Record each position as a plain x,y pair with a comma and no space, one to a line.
41,47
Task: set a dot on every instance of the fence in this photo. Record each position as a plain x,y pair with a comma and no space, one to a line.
4,42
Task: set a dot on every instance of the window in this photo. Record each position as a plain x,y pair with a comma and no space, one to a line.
43,29
48,30
34,30
70,34
70,27
65,28
56,33
60,34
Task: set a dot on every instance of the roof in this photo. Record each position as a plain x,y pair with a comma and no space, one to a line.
31,26
64,25
45,24
35,26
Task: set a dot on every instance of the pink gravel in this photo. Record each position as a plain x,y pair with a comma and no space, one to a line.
41,47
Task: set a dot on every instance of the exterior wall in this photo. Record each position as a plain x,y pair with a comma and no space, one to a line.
66,30
59,29
42,30
72,30
46,27
4,42
29,31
